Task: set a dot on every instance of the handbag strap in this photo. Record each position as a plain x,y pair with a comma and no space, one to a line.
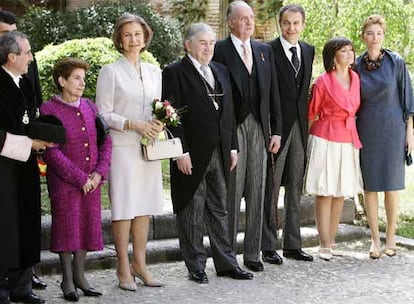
93,110
167,132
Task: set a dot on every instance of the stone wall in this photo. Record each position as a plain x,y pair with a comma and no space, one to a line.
216,16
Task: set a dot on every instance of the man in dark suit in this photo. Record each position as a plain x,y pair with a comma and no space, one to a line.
200,177
257,106
20,191
293,61
8,24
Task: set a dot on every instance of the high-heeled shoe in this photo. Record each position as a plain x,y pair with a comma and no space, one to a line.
335,251
390,251
71,296
128,286
325,253
91,292
147,283
374,252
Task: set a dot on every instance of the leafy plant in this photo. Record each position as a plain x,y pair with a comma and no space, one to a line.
95,51
326,19
189,11
46,26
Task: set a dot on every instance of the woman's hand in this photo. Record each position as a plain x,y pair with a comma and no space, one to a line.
88,186
410,135
149,129
96,180
410,141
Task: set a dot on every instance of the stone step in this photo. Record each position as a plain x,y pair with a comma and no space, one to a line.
165,250
164,226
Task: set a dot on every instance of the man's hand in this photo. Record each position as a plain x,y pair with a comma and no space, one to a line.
184,164
40,145
233,160
274,144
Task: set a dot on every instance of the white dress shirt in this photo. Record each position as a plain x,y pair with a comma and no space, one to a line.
286,47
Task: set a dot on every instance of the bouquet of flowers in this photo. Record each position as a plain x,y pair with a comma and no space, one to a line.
164,112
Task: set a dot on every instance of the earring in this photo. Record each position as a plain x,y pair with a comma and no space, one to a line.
334,66
121,46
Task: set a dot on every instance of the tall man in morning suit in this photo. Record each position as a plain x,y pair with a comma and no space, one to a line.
199,178
257,108
293,61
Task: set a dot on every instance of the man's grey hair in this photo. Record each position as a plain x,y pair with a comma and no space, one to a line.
196,28
9,45
233,5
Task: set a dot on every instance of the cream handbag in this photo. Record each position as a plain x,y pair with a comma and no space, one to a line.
158,149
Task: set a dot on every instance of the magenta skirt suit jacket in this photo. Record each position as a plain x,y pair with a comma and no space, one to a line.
76,217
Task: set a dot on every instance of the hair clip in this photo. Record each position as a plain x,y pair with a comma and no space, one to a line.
262,57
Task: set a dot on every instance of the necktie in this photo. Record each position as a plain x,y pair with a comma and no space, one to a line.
208,75
247,57
295,59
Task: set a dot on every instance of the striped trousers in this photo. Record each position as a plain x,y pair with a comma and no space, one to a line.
207,209
249,182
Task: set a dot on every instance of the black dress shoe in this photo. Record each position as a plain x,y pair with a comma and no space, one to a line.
199,276
4,301
297,254
91,292
254,266
272,257
38,283
236,273
71,296
30,298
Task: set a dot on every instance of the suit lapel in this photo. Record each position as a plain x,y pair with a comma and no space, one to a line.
284,64
128,68
195,80
219,84
260,61
306,59
229,54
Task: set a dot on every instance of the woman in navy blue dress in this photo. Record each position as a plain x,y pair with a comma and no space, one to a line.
385,127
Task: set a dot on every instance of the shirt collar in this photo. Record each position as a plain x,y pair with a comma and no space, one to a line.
194,61
16,79
237,43
286,47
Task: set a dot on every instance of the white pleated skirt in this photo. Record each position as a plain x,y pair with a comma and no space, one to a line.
332,169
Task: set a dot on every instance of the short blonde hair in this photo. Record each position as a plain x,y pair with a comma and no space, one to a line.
373,19
128,18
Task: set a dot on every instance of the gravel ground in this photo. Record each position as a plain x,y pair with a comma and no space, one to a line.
353,278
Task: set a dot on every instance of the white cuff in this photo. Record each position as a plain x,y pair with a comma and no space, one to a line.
17,147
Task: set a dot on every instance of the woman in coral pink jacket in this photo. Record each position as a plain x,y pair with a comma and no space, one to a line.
333,170
75,171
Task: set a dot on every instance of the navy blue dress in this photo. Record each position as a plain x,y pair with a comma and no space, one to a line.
386,102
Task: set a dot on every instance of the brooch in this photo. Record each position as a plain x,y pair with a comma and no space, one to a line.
262,57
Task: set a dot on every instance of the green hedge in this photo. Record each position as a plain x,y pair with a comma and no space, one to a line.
95,51
45,26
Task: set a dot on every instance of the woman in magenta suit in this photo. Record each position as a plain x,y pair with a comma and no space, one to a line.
75,171
333,170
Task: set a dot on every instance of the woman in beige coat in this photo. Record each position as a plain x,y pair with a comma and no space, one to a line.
125,91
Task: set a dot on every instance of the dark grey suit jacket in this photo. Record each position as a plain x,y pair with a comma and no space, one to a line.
270,114
293,98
